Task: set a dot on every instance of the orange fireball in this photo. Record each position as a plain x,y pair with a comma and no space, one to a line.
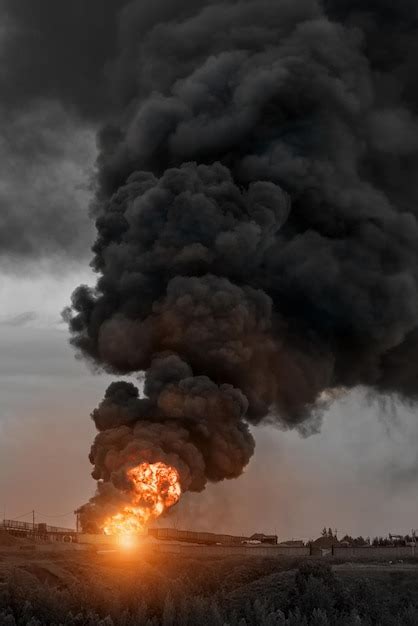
155,488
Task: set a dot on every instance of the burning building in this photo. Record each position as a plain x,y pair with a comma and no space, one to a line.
257,235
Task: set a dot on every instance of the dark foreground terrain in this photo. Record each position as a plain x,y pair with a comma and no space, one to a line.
145,588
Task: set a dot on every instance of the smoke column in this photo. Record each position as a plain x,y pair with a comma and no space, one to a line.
257,238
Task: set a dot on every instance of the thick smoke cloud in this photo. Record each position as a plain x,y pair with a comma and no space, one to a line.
257,224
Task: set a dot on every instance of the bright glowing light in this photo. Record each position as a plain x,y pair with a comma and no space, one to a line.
155,488
127,541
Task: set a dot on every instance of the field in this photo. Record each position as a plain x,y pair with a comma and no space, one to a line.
144,588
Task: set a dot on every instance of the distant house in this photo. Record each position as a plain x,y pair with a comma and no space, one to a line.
294,543
268,539
324,545
326,542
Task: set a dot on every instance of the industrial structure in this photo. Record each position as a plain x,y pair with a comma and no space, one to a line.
40,531
172,534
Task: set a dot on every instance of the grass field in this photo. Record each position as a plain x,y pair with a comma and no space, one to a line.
143,588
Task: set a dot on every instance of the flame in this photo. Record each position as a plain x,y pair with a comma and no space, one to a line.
156,487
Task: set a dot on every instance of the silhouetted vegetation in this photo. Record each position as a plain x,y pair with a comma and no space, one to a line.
393,541
170,591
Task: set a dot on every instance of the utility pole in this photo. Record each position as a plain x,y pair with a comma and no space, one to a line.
33,520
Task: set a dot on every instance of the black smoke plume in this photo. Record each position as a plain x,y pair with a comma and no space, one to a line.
257,226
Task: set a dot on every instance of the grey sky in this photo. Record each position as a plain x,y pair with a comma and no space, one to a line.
47,163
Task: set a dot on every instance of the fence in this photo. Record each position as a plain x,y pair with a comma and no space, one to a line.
38,529
387,552
346,553
222,551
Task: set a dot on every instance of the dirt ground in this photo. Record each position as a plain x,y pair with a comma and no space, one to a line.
62,567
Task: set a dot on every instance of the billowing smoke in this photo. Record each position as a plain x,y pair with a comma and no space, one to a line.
257,245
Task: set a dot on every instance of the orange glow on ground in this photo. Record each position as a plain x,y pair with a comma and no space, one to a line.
155,488
128,542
